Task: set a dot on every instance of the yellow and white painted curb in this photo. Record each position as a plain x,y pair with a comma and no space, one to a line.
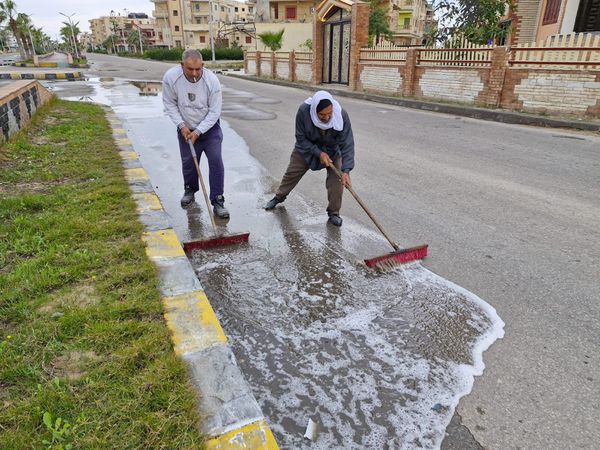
231,417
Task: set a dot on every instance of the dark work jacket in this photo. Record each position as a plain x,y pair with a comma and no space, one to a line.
311,141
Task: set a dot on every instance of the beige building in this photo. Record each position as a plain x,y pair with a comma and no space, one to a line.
409,20
189,23
536,20
119,27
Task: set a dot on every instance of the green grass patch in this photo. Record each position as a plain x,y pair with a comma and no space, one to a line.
86,359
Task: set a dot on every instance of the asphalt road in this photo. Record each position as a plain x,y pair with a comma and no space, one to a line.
511,213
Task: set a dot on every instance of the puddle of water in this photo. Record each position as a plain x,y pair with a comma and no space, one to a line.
377,360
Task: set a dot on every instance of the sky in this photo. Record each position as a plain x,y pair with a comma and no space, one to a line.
45,14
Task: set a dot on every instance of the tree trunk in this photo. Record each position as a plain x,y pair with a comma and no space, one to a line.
16,34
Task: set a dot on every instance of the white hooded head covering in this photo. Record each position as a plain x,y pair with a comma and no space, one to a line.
336,122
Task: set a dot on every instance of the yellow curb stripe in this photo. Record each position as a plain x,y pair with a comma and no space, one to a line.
123,141
15,76
256,436
162,244
129,156
136,174
40,76
61,76
193,323
119,131
147,201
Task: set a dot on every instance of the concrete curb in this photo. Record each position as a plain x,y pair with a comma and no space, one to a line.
496,115
231,417
41,76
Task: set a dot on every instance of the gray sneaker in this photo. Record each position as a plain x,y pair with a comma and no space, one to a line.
273,203
335,219
219,207
188,197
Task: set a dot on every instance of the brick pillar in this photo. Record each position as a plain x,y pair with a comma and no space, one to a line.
409,73
258,58
492,94
317,66
273,66
292,62
359,38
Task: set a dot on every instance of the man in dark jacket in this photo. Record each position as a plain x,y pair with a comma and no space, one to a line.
323,138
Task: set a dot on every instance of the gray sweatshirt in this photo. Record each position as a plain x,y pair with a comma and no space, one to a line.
198,105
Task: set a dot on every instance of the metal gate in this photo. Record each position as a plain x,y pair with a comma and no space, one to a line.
336,54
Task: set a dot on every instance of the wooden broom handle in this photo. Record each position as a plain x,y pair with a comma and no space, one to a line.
367,210
212,219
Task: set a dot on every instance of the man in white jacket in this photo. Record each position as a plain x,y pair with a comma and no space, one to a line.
192,99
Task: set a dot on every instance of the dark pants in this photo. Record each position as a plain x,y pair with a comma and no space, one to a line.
296,170
210,144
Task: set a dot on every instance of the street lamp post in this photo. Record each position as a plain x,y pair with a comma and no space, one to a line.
210,31
72,33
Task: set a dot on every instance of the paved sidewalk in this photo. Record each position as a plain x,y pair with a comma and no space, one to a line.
496,115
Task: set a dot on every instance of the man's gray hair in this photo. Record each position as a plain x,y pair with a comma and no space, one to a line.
190,53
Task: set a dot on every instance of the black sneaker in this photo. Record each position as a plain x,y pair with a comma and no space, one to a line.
188,197
335,219
219,207
273,203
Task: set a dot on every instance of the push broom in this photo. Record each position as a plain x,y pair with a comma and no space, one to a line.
399,255
217,240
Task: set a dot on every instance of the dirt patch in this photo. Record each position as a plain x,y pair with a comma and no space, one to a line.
39,140
81,296
72,365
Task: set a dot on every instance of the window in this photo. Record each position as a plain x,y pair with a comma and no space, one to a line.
406,23
197,5
222,9
290,13
175,13
202,39
250,9
275,12
248,40
198,20
236,9
551,12
176,27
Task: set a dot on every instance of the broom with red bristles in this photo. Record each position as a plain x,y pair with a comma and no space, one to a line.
399,255
217,240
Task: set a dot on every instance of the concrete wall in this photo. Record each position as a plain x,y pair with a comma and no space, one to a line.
18,103
294,36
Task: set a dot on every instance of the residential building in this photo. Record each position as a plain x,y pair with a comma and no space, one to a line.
118,26
409,20
189,23
536,20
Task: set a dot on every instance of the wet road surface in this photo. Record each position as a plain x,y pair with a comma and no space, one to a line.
377,360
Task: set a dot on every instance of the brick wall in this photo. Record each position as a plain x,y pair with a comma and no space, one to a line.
553,91
282,70
304,72
251,67
459,85
266,67
380,79
18,103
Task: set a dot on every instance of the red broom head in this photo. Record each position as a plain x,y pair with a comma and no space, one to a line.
216,242
399,257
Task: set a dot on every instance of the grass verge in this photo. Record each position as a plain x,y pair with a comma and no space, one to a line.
86,359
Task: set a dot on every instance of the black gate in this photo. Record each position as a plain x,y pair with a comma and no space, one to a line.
336,51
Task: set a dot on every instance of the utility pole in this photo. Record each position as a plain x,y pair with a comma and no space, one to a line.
210,31
72,33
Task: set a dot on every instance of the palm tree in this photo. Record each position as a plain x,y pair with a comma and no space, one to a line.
24,27
69,34
272,39
8,11
133,38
